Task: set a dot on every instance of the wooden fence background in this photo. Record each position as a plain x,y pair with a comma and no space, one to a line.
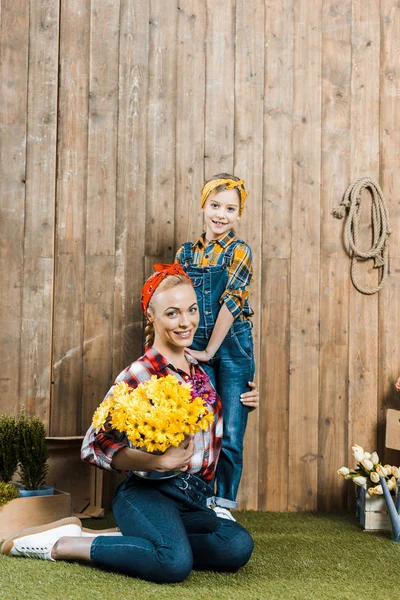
112,113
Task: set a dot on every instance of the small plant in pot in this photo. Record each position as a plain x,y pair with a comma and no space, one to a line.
8,458
33,456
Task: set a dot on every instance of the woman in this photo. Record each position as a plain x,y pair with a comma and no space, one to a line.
166,523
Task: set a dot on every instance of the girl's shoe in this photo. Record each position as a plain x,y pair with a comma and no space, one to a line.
38,542
223,513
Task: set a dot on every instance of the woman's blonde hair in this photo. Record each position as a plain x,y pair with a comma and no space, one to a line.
168,283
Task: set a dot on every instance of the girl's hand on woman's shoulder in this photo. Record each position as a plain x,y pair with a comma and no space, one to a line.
251,399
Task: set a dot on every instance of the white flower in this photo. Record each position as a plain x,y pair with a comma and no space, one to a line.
371,491
367,464
360,480
367,455
396,472
379,490
388,469
391,485
381,471
358,452
343,471
374,477
374,458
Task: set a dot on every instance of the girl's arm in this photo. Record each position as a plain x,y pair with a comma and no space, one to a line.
221,328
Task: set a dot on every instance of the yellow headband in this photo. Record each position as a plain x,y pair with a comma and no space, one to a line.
230,185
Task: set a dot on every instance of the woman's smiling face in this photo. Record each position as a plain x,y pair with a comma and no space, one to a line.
175,316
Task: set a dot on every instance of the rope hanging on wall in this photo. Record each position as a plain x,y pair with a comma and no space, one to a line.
352,201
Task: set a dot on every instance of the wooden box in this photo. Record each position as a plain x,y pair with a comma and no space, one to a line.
32,511
371,513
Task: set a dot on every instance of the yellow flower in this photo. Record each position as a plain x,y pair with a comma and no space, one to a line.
155,415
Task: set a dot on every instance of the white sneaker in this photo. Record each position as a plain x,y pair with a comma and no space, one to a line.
223,513
38,542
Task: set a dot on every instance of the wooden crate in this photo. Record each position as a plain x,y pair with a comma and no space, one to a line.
371,513
32,511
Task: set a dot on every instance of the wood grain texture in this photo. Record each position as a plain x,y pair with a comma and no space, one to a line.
14,40
39,234
190,106
363,310
220,85
334,360
131,182
304,303
68,327
389,302
101,205
334,274
336,114
248,165
274,484
161,128
278,127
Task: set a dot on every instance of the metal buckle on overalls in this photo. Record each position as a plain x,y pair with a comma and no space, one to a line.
185,486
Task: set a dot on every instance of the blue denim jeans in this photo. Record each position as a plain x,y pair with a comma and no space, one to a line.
230,371
168,530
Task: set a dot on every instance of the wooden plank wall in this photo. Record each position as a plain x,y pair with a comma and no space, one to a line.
112,115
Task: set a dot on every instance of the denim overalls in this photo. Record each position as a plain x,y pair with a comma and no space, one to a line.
230,369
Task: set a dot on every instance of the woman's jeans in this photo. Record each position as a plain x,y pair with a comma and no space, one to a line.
168,530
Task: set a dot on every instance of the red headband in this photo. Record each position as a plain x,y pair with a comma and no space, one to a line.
150,286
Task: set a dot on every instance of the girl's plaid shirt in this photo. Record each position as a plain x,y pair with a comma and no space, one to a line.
99,449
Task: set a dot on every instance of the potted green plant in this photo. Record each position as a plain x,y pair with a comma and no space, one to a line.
33,456
8,448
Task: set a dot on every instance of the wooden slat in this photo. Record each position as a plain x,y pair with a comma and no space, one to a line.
190,122
14,39
220,96
274,387
161,125
131,182
278,125
36,338
389,297
363,310
304,324
248,165
101,204
335,264
334,356
71,218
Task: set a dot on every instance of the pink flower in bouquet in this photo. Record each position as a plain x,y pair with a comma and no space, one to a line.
398,385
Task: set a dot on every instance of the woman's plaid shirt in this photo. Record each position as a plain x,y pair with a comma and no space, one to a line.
99,449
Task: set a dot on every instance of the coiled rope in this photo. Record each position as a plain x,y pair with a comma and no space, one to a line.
352,201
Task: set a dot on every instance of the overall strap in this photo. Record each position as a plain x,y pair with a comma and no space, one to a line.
229,253
187,254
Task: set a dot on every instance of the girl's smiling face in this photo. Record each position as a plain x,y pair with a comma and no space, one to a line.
175,316
221,212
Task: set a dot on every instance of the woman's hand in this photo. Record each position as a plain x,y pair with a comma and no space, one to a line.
252,398
177,459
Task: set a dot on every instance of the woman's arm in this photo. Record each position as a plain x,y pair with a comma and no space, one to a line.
174,459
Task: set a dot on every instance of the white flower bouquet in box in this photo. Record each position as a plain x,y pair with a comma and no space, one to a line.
368,470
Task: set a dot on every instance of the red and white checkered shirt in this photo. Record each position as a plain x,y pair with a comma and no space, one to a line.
99,449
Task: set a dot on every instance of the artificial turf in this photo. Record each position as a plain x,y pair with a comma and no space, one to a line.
297,556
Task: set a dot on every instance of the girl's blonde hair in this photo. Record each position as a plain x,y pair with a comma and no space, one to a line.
168,283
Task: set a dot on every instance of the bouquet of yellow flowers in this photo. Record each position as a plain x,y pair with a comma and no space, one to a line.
159,413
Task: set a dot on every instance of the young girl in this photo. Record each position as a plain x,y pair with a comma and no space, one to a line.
220,266
166,524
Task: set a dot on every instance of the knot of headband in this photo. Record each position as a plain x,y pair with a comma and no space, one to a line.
230,184
150,286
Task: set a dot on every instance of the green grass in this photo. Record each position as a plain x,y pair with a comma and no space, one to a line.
298,556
